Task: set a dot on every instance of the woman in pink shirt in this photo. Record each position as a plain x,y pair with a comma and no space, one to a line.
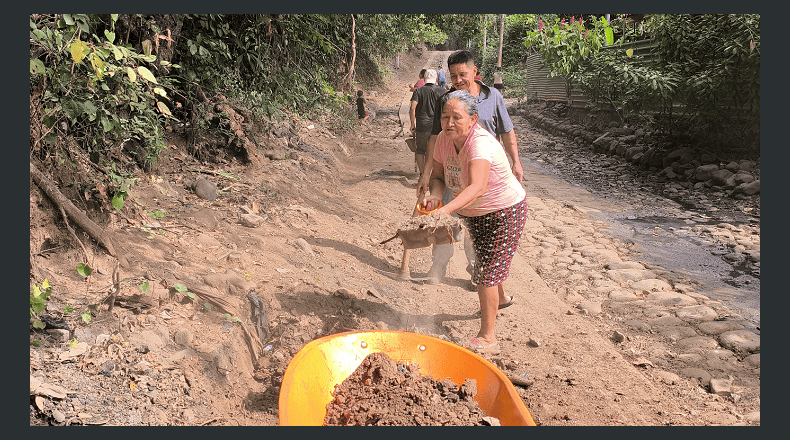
487,195
420,82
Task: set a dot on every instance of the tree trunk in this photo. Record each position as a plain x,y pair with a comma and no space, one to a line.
501,35
485,36
353,53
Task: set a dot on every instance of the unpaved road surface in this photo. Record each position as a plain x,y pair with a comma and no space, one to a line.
599,348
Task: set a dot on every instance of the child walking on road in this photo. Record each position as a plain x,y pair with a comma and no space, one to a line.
361,112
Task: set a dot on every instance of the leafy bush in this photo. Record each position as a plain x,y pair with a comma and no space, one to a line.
96,91
612,81
716,58
38,302
514,78
565,47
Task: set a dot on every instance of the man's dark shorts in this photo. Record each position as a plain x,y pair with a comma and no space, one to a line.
422,142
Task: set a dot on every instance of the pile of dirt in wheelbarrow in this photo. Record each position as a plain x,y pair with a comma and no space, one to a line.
383,392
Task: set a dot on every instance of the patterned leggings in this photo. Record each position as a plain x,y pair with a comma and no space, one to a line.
495,237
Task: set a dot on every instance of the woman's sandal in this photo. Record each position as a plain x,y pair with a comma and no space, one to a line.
509,303
477,346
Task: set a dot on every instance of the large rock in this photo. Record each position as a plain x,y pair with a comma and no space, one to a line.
621,131
697,342
251,220
670,299
743,178
625,265
749,189
720,177
721,387
719,327
678,332
631,152
666,321
603,255
622,295
740,341
205,190
747,165
697,313
705,172
651,285
625,275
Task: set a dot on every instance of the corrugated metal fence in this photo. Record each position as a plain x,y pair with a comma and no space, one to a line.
541,86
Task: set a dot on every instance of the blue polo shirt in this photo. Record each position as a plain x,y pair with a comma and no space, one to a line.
491,109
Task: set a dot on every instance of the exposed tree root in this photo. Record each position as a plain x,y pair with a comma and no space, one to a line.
94,231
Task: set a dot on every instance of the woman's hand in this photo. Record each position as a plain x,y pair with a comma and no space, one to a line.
439,211
429,203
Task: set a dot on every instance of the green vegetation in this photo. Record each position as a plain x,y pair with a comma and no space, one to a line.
105,83
702,82
38,302
102,84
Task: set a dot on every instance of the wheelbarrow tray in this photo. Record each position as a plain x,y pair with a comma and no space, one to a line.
322,364
412,144
427,236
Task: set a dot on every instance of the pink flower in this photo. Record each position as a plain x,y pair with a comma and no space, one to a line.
562,23
572,20
581,22
585,33
540,26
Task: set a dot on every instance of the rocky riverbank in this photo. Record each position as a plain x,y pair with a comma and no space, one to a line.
658,318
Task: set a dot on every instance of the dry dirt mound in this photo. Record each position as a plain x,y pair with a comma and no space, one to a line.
383,392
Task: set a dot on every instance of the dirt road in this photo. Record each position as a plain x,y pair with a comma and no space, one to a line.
315,262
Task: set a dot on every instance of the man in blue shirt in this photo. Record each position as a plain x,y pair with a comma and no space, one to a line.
493,117
441,74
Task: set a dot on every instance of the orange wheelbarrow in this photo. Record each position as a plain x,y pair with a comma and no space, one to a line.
323,363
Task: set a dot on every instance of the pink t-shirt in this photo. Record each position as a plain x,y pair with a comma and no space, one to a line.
503,189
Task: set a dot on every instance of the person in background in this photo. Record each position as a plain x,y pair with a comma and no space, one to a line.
498,81
362,114
492,116
441,77
420,82
421,113
488,198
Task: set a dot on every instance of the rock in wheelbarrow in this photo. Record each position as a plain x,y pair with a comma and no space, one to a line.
427,230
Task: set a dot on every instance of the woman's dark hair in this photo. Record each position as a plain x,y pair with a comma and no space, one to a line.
422,73
462,56
359,92
466,98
